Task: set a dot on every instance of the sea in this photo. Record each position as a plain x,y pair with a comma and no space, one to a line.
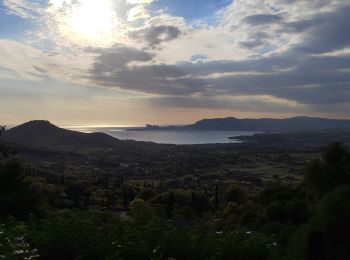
166,136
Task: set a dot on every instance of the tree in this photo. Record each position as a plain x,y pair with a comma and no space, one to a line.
170,204
146,194
330,171
276,212
126,199
72,235
62,179
331,226
277,191
216,199
297,210
200,202
336,155
16,197
2,130
87,197
317,178
2,150
14,244
74,190
136,203
235,194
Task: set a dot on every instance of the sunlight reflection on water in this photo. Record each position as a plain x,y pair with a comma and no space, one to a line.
167,136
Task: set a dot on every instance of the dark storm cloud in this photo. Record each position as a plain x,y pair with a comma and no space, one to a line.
299,73
260,19
156,34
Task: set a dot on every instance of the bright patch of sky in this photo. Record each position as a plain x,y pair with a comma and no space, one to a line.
192,10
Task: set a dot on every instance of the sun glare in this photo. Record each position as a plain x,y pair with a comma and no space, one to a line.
88,21
93,18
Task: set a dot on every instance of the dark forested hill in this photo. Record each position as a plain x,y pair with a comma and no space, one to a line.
43,134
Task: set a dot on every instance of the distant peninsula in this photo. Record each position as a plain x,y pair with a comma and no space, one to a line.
293,124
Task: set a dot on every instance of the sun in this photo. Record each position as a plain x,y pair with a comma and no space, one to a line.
92,18
87,22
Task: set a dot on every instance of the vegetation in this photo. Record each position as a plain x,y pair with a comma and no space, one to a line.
174,202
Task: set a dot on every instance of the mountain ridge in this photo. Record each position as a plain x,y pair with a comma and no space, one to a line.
292,124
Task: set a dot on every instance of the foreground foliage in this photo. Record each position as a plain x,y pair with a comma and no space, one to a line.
94,219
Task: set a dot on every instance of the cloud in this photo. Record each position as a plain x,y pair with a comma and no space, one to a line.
246,103
115,58
140,1
251,43
259,55
297,74
23,9
26,63
156,34
139,12
327,32
260,19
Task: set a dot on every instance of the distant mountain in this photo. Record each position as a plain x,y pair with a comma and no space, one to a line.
293,124
43,134
301,123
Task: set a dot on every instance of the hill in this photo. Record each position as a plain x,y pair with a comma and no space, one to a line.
293,124
43,134
301,123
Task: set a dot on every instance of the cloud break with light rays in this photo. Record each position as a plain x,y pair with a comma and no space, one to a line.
139,61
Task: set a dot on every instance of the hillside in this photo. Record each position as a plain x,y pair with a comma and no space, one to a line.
43,134
293,124
267,124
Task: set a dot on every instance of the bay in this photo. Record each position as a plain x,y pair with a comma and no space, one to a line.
167,136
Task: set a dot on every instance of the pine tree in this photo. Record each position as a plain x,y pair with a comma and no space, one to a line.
216,197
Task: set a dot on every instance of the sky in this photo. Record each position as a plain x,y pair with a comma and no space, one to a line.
132,62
